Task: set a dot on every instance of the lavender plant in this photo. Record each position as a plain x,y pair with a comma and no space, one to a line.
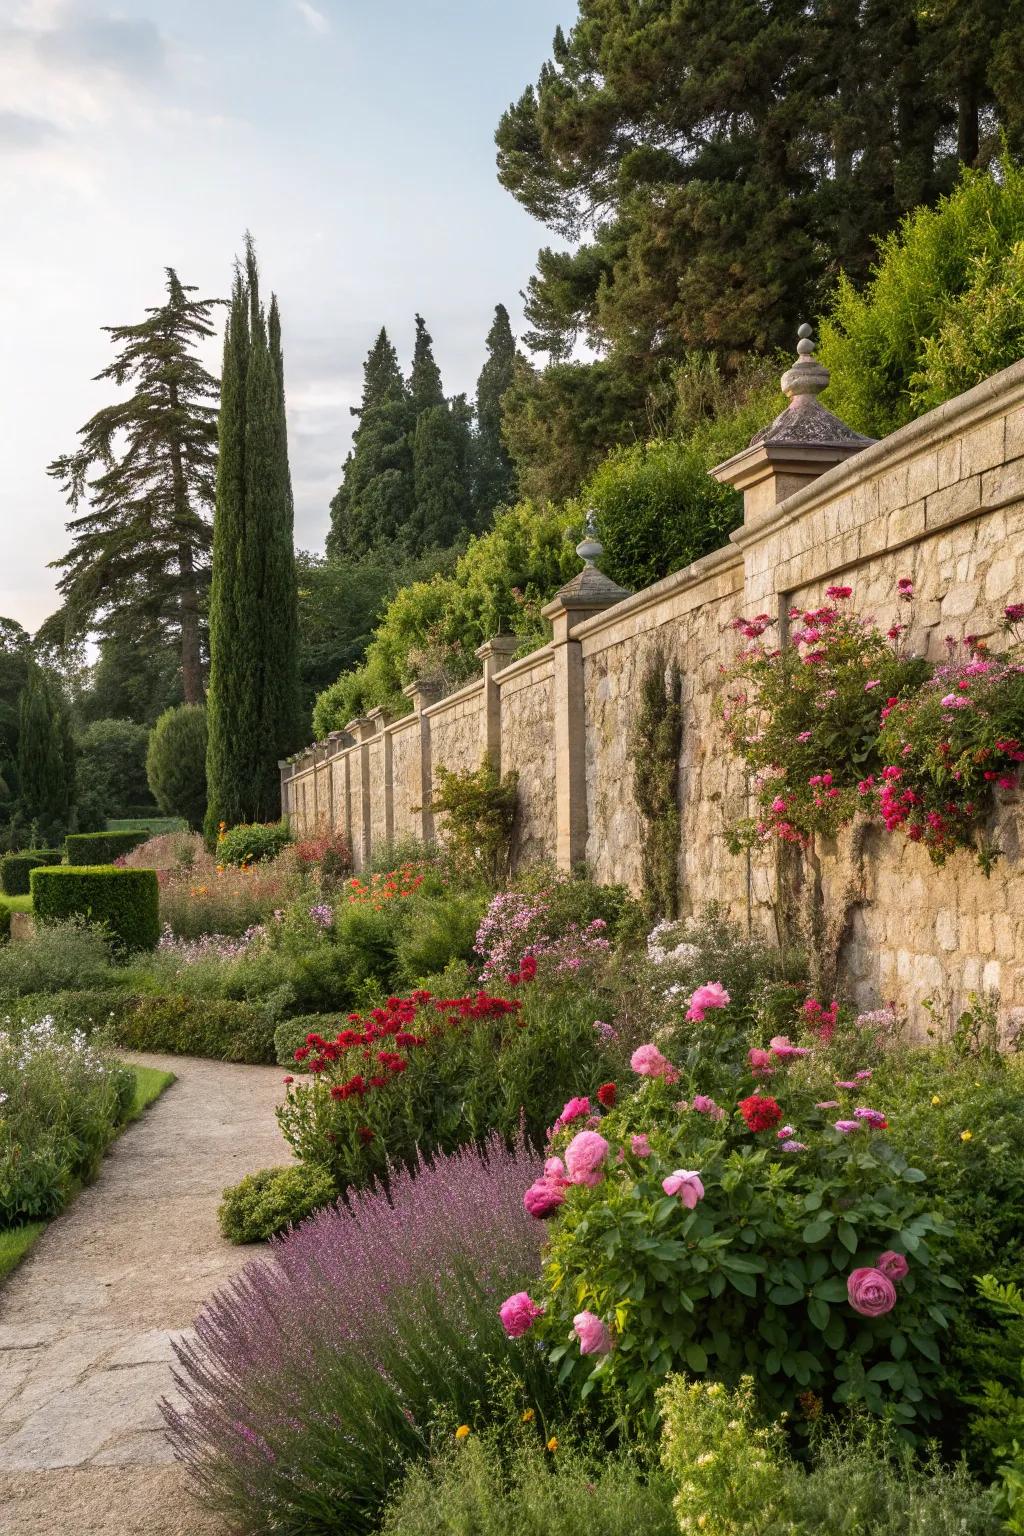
313,1379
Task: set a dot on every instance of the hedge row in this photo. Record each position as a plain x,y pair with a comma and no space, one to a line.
184,1026
291,1033
15,868
127,901
86,848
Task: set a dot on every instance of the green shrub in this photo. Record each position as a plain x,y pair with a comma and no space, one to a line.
221,1029
265,1203
125,901
110,769
176,762
92,848
479,811
253,843
506,1485
9,904
290,1034
92,1011
439,930
16,867
56,957
998,1427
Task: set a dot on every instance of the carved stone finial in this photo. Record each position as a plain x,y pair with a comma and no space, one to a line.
590,549
807,376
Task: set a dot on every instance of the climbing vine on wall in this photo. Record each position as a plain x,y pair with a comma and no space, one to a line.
656,743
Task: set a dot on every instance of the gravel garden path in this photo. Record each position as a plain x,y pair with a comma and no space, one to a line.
86,1322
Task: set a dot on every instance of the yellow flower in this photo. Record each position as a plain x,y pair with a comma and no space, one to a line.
966,1135
462,1432
553,1443
936,1099
528,1415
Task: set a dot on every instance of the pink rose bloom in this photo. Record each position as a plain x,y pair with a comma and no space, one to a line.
518,1314
871,1293
593,1334
782,1047
786,1133
711,995
640,1146
584,1158
543,1197
891,1264
704,1105
686,1183
573,1110
554,1168
846,1126
760,1062
647,1061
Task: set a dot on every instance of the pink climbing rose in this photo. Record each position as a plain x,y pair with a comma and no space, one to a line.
585,1157
647,1061
891,1264
518,1314
871,1292
686,1183
711,995
593,1334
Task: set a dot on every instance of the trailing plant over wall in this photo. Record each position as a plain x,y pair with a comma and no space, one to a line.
657,740
479,808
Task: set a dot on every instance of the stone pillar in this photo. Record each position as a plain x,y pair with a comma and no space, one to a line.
495,654
362,729
422,695
584,596
284,768
381,720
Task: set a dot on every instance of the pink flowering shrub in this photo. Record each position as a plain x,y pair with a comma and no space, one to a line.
517,927
775,1232
953,751
805,716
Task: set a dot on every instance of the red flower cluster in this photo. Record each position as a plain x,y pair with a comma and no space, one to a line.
393,886
527,971
607,1094
760,1112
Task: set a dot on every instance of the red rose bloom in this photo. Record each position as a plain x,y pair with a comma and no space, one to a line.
760,1112
365,1135
606,1095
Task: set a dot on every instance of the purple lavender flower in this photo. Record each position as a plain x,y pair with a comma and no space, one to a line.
322,914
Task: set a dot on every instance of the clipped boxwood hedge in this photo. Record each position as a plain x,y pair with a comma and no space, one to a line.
15,868
291,1033
183,1026
85,848
127,901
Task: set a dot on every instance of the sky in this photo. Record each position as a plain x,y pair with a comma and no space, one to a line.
354,138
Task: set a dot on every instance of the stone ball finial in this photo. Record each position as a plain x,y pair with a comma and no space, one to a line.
807,376
590,549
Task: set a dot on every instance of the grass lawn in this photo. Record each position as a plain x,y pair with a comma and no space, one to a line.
154,824
149,1085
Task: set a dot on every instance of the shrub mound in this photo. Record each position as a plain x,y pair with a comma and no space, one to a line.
253,843
218,1028
83,848
267,1202
15,868
127,901
292,1034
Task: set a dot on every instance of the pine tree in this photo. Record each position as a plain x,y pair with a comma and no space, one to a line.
440,455
253,701
425,390
139,557
494,476
376,496
46,758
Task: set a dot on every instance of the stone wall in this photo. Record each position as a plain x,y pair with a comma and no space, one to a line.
941,501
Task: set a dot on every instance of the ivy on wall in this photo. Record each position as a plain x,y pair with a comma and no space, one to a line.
656,743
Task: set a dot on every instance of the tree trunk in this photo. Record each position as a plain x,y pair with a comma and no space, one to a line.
967,136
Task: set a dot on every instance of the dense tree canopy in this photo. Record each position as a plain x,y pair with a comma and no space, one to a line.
494,476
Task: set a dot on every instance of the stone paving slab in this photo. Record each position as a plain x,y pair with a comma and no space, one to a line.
87,1323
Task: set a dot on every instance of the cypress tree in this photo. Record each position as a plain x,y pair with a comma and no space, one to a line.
494,476
46,758
139,559
375,498
440,458
253,700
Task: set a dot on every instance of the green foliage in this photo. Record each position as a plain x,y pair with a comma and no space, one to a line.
176,762
944,307
102,847
375,499
218,1028
655,745
110,768
62,1105
265,1203
9,904
124,901
438,931
494,477
999,1424
15,868
505,1485
481,1067
46,756
253,705
136,675
734,1475
253,843
291,1034
55,957
139,558
479,811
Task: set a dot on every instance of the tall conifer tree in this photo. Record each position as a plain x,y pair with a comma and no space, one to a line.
375,498
254,699
140,555
494,476
46,758
440,454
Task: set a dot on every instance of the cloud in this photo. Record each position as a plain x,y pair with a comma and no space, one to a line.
21,130
134,48
315,20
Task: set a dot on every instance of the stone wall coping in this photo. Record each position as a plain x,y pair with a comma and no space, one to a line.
992,397
690,576
538,658
461,695
400,723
